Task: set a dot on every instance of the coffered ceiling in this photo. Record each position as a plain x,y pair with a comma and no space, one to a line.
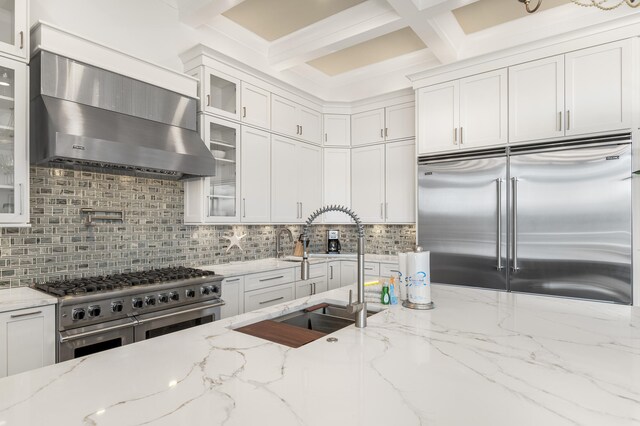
343,50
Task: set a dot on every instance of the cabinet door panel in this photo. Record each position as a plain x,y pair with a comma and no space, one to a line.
233,296
348,273
309,179
536,100
284,118
310,125
333,275
438,118
259,299
337,182
367,183
284,180
400,121
367,127
221,94
255,175
400,182
483,109
256,106
14,32
599,88
337,130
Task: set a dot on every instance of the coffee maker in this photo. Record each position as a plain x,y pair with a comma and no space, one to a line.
333,242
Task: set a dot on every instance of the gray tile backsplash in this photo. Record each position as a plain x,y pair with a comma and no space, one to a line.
59,245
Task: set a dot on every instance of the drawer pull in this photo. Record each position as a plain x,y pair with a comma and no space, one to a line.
233,280
26,314
271,279
272,300
368,269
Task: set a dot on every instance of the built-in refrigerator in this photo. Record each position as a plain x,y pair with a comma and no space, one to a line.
548,218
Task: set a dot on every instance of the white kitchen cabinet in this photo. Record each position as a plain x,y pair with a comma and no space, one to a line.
536,100
311,286
367,127
270,296
333,275
215,199
219,93
297,121
438,117
255,175
400,122
14,169
400,178
337,130
27,339
337,183
598,88
348,273
14,28
483,109
256,106
233,296
296,180
467,113
367,183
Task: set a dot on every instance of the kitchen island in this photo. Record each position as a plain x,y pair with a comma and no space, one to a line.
480,358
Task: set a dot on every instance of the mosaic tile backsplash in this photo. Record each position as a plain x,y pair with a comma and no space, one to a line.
59,245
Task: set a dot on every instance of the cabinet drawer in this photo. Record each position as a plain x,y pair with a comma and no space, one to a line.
386,268
311,286
259,299
269,279
315,271
372,268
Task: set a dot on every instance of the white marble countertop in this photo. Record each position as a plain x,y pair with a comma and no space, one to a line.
480,358
264,265
12,299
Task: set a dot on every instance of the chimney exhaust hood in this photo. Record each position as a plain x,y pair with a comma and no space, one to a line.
87,117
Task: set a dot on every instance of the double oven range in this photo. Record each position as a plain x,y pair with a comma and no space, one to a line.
96,314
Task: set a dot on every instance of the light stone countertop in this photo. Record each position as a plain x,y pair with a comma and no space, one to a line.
12,299
264,265
479,358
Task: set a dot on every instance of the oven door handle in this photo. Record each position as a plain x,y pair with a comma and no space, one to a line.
186,311
64,339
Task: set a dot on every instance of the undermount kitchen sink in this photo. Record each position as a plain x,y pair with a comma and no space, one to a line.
298,328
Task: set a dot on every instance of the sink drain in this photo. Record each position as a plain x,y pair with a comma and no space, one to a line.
331,339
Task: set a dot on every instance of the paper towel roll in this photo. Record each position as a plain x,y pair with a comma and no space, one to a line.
418,265
421,263
402,267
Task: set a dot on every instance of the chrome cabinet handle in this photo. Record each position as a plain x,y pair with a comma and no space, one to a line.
499,267
21,199
272,300
297,129
21,40
244,112
208,100
382,133
386,132
330,272
271,279
301,130
455,136
514,249
381,210
232,280
325,137
560,121
386,210
568,120
26,314
461,138
244,207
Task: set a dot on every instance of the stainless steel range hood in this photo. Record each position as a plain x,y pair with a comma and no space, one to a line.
86,117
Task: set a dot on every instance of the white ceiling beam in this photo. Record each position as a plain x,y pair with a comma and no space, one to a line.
355,25
197,13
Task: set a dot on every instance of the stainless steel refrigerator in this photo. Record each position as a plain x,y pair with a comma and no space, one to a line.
549,219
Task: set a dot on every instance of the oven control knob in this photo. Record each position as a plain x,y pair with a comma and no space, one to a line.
116,306
150,301
190,292
205,290
174,296
136,302
163,298
215,289
94,310
77,314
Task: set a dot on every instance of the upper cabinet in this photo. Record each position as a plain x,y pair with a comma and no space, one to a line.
383,124
14,28
337,183
292,119
219,93
255,176
337,130
14,169
466,113
582,92
256,106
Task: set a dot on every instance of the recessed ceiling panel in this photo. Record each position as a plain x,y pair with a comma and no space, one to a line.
485,14
369,52
273,19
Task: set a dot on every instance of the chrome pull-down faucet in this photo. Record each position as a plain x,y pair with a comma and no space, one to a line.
279,251
359,308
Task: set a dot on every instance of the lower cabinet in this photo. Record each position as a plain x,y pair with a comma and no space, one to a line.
348,273
258,299
311,286
333,275
233,296
27,339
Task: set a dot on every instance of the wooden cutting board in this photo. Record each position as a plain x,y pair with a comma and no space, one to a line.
278,332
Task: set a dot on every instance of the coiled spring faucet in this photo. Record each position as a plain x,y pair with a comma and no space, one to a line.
359,308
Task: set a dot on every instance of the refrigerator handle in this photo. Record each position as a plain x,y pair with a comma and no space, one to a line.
499,267
514,183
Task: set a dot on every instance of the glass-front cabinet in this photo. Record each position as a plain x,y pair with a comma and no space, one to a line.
216,199
14,189
219,92
13,27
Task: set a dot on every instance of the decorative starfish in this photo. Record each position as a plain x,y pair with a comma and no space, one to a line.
235,240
